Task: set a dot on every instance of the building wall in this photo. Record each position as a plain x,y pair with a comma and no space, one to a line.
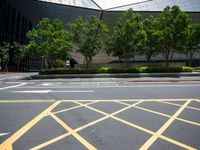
36,10
13,24
31,11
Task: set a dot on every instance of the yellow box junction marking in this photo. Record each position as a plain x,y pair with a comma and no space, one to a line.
75,107
161,114
7,145
75,134
194,108
82,127
164,127
123,100
24,129
26,101
141,128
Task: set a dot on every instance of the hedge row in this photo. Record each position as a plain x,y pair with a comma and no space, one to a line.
114,70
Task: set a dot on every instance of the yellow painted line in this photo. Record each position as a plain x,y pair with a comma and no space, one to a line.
26,101
197,100
111,100
141,128
81,128
9,147
148,110
76,135
25,128
68,109
155,136
50,141
161,114
104,100
99,120
177,143
194,108
188,121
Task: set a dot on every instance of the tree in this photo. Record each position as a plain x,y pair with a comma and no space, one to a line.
89,36
4,55
61,43
51,41
151,46
173,25
193,43
75,29
127,37
20,52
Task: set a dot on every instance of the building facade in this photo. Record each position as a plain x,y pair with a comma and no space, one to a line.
19,16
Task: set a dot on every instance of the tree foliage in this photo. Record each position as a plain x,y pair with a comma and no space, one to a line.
170,32
193,43
173,29
50,40
127,37
151,46
89,36
20,52
4,55
12,54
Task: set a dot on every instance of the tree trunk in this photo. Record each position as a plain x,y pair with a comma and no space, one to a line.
172,54
191,54
88,62
127,63
148,57
167,58
45,62
18,67
6,68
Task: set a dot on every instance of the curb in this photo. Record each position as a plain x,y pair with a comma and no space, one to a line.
120,75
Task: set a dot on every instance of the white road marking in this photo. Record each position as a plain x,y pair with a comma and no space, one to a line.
72,91
50,83
14,86
46,84
2,134
85,83
50,91
114,86
40,91
19,82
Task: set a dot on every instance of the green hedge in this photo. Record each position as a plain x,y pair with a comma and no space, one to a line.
114,70
196,68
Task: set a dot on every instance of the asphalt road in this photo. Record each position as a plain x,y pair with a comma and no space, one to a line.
129,88
109,113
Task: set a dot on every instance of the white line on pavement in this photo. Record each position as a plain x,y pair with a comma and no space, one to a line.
50,91
85,83
13,86
115,86
2,134
72,91
40,91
